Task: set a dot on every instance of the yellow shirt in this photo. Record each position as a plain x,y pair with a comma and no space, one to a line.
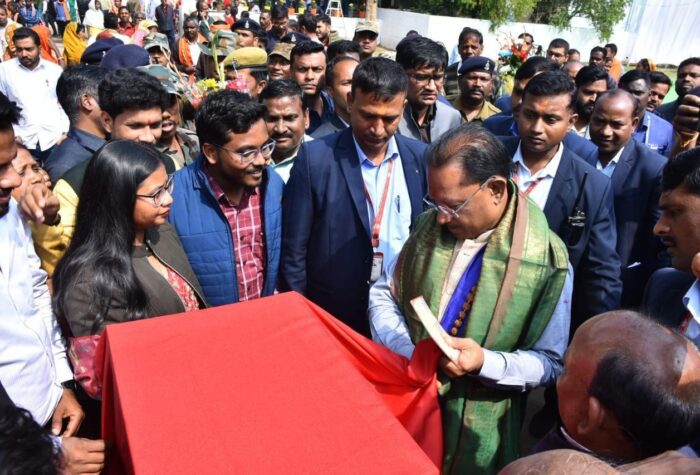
51,242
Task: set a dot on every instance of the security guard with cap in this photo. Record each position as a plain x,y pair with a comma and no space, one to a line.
248,32
475,85
250,65
222,44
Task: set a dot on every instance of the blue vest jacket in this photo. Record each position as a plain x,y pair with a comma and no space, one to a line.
206,236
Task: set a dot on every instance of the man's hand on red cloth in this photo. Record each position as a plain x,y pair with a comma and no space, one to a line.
83,456
68,408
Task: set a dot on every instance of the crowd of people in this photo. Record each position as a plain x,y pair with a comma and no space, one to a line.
156,167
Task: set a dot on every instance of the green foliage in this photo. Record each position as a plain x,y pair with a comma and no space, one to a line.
603,14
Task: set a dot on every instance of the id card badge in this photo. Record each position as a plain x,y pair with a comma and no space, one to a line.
377,266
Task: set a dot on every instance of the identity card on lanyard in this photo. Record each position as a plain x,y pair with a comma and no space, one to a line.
378,257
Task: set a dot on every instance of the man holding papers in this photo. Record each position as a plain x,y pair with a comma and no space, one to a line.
487,264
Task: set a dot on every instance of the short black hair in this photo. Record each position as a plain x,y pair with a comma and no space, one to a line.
589,74
550,84
124,7
616,92
382,77
307,21
131,89
24,33
224,112
26,447
420,52
329,68
9,113
74,83
683,170
573,51
476,150
523,35
467,32
534,66
259,73
278,12
341,48
283,88
612,47
323,18
634,75
559,43
653,415
657,77
304,48
598,49
111,21
694,60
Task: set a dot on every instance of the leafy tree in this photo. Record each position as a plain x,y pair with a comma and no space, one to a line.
603,14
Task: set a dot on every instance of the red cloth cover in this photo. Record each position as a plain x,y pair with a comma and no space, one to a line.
275,385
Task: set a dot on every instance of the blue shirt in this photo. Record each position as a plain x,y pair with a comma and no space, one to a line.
60,12
396,222
656,133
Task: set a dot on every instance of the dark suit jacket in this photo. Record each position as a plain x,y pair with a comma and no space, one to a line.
326,248
663,296
335,124
505,126
636,184
597,285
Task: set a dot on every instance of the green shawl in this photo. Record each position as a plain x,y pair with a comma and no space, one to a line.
524,269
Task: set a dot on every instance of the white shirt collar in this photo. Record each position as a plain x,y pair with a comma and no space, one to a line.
691,300
392,150
549,170
612,163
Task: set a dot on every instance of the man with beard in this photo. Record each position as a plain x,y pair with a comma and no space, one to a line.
323,29
652,130
279,18
30,82
338,84
470,44
687,79
424,118
591,81
308,60
286,117
558,50
597,57
475,83
227,204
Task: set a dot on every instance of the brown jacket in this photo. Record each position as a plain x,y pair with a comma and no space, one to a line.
165,245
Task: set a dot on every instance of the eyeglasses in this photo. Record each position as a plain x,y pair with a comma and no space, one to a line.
454,212
424,79
249,155
158,197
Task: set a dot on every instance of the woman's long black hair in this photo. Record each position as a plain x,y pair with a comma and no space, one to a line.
99,255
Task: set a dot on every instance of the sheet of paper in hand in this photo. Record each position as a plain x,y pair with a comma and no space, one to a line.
433,327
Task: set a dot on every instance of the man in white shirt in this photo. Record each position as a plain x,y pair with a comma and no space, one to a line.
33,363
31,81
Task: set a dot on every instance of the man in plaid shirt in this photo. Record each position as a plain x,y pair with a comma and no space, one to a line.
227,204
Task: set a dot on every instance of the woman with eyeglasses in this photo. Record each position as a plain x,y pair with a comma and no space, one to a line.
125,261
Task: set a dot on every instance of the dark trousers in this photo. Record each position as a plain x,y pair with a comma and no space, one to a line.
61,27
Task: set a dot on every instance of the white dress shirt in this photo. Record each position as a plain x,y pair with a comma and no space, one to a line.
518,370
691,300
544,177
609,169
34,90
33,361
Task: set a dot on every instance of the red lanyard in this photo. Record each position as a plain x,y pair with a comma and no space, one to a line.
532,186
376,225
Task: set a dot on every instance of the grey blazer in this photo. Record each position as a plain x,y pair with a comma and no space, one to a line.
446,118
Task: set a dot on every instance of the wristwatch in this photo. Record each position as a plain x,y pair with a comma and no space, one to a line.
69,384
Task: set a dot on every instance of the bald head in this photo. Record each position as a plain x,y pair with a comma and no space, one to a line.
570,462
572,68
638,387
